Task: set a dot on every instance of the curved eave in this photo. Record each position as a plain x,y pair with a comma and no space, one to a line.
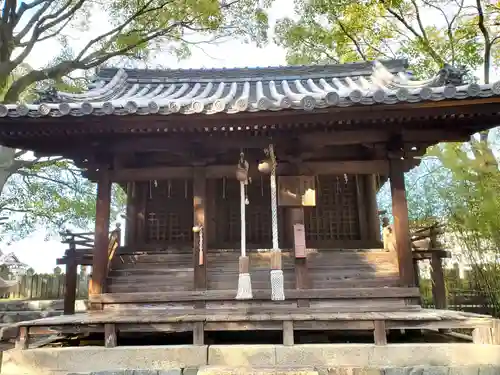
121,96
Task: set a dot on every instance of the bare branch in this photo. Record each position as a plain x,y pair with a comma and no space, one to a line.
487,41
48,36
32,22
24,7
40,28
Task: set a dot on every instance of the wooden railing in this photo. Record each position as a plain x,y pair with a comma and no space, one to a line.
425,245
80,252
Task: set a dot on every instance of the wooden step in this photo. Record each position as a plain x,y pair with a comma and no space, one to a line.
141,271
215,295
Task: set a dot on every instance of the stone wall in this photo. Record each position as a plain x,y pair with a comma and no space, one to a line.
309,359
14,311
417,370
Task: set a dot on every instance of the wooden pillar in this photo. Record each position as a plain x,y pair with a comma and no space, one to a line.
23,338
70,280
199,252
400,214
362,209
130,224
100,251
372,208
141,196
438,284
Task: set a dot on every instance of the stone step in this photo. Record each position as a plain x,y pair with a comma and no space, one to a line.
216,370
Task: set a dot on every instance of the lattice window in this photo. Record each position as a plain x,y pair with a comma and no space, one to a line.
258,213
169,212
335,216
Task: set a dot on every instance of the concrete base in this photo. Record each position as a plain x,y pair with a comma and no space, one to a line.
331,359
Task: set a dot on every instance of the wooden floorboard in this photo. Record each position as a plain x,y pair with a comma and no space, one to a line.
196,315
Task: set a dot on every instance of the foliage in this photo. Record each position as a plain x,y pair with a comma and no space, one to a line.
457,183
49,192
427,32
136,30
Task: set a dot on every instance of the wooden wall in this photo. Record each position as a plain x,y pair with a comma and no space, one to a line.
326,268
163,214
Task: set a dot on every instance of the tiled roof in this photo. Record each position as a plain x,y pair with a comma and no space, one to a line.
122,92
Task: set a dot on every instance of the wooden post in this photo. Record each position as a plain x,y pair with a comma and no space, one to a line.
363,212
110,339
70,280
302,281
438,284
288,339
379,333
23,338
198,333
131,216
199,252
100,251
141,196
400,214
372,208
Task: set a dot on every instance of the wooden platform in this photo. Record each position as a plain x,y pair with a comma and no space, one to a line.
252,319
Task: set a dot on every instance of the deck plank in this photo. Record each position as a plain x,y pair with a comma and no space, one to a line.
241,315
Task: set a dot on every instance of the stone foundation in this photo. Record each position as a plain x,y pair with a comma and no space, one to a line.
310,359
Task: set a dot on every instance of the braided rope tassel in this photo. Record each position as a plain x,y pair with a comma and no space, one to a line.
244,280
277,279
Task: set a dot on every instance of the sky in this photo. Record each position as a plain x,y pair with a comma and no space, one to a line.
41,254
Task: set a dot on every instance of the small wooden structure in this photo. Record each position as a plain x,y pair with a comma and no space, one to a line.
172,139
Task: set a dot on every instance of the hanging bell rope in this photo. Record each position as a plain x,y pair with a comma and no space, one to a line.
244,280
199,230
277,279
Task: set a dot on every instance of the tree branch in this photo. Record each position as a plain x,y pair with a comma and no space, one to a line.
33,175
40,28
487,41
32,22
435,56
356,44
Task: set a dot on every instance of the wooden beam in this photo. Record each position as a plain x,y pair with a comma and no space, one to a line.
178,143
401,228
199,221
100,251
220,171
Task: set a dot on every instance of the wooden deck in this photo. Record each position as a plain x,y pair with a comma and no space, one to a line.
198,321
